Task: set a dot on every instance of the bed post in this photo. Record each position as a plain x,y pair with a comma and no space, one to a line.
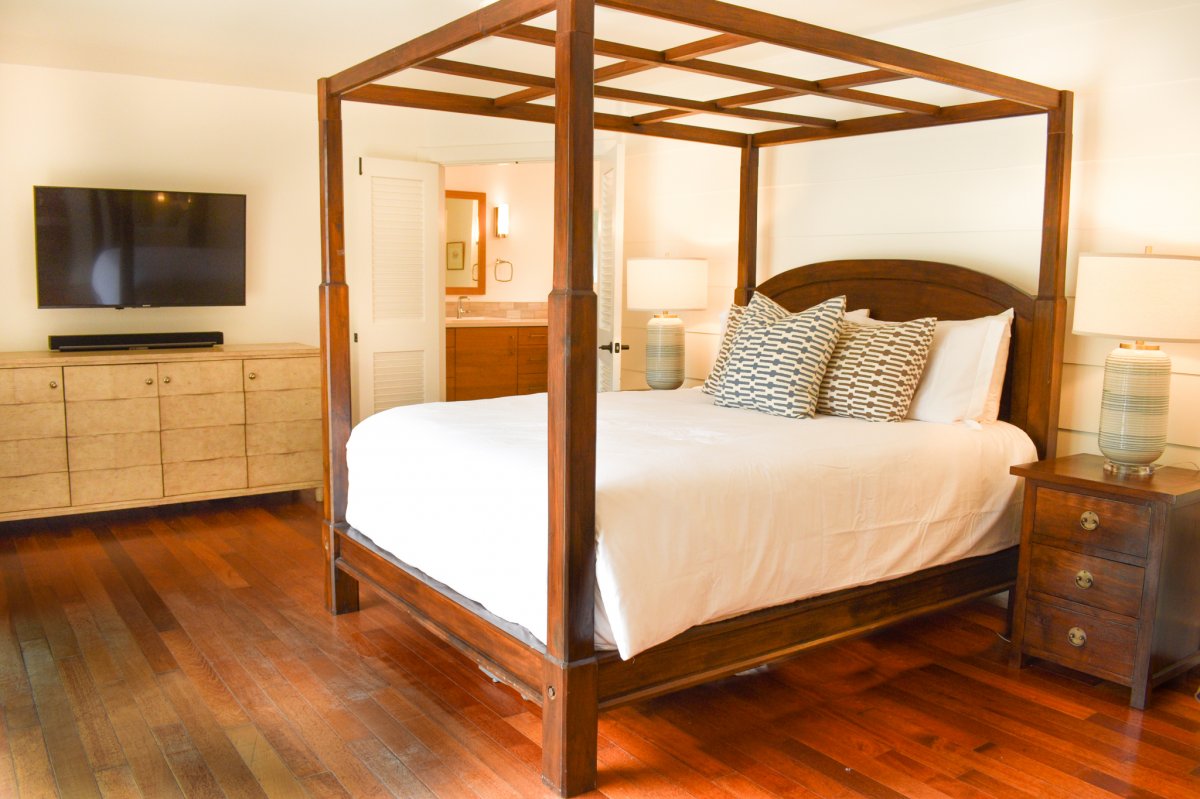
1049,319
747,225
341,590
569,693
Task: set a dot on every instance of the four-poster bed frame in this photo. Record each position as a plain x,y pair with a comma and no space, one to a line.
570,680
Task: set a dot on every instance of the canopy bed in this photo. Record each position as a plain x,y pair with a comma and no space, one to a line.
561,668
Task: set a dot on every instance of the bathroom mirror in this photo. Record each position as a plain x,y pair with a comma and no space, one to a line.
466,242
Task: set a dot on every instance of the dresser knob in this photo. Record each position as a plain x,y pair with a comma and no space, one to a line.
1076,636
53,384
1088,520
167,379
149,381
252,375
1083,578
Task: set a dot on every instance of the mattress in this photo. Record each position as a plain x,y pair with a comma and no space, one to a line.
702,513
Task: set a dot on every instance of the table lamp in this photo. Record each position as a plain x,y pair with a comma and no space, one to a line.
665,285
1144,298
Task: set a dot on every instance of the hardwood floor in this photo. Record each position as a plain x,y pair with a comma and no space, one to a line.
184,652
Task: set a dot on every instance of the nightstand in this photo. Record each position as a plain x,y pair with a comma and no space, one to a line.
1107,582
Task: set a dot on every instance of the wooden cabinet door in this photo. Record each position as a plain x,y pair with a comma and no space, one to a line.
203,418
531,360
33,443
283,421
485,362
112,432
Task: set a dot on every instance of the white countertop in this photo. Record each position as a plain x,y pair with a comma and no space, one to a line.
493,321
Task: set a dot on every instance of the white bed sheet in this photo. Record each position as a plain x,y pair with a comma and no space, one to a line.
701,512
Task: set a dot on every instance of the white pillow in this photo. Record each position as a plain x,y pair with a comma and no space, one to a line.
964,375
965,372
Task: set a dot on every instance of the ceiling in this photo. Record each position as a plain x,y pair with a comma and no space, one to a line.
288,44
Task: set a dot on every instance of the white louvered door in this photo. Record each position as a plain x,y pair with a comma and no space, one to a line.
608,253
396,284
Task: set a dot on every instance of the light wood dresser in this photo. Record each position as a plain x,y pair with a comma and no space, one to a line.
92,431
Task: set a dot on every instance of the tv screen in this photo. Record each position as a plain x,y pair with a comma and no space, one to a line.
118,248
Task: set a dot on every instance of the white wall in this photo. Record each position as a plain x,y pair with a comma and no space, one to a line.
970,194
528,188
70,128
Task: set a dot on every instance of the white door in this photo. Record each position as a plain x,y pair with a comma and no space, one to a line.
609,236
396,279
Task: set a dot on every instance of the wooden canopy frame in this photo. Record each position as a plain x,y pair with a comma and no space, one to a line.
566,675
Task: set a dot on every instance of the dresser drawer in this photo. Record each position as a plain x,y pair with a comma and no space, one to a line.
33,456
116,485
532,336
1088,580
34,491
114,451
30,384
1117,526
104,417
118,381
199,477
39,420
531,384
283,406
201,410
203,444
199,377
1107,649
531,361
281,469
274,374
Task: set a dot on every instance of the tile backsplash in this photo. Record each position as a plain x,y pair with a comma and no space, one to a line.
501,310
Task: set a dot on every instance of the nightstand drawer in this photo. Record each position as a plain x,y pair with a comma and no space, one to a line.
1105,648
1114,525
1090,581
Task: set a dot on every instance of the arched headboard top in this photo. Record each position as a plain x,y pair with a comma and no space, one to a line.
898,290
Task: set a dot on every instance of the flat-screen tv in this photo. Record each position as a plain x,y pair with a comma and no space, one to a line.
120,248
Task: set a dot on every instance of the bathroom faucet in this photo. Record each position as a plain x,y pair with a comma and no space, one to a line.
464,306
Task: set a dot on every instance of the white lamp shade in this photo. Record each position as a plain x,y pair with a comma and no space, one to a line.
1138,297
666,284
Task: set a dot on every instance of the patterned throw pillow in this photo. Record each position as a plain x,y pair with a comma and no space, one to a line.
775,366
874,370
760,307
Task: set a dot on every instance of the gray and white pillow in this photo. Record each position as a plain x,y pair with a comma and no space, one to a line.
874,370
760,307
776,366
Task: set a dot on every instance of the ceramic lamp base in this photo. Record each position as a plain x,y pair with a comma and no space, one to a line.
664,352
1133,409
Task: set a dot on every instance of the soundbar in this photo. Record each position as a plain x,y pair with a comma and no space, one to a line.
135,341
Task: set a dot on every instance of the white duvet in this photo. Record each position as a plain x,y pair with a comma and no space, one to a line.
701,512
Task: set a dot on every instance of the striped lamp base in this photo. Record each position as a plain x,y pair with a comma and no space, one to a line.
664,352
1133,409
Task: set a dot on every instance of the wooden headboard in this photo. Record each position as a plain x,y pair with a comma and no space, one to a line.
899,290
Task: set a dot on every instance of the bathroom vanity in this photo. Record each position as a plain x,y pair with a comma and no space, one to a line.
494,357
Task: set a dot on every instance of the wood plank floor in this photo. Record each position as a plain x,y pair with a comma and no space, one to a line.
184,652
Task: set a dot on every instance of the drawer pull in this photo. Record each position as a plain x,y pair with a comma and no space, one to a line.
1088,520
167,379
252,376
1084,579
149,381
1076,636
53,384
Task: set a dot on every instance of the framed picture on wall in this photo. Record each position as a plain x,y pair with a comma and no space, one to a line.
454,254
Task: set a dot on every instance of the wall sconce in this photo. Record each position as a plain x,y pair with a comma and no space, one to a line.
502,220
